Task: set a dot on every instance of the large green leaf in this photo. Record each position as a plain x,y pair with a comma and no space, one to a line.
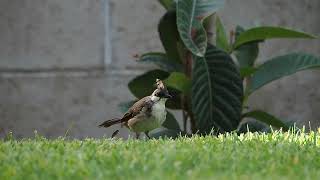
247,71
144,85
281,66
266,118
221,36
253,125
190,14
246,54
167,4
169,35
179,81
171,122
268,32
216,92
161,60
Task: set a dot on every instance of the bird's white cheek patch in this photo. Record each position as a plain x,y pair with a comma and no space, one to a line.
159,111
155,98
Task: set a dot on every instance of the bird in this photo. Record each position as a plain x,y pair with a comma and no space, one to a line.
146,114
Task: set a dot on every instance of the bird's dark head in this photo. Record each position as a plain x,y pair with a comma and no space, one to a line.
161,92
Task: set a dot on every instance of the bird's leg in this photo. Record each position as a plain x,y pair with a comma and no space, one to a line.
115,133
147,134
137,135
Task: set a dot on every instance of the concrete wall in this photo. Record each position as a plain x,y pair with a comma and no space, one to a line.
51,34
56,73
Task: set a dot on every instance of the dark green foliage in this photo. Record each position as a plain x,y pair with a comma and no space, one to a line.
179,81
268,32
247,53
282,66
162,61
252,126
221,36
266,118
144,84
171,122
216,92
190,15
247,71
217,98
169,35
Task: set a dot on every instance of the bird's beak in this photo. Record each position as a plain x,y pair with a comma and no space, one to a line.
167,95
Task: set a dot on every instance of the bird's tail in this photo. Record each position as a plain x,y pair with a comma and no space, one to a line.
110,122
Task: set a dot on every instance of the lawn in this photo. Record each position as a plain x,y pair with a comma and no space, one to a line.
251,156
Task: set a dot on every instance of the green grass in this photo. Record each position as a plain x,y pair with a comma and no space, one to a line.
251,156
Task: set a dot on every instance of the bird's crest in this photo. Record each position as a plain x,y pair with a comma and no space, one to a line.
160,84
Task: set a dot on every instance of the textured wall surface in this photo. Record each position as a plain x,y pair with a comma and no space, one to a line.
51,34
41,35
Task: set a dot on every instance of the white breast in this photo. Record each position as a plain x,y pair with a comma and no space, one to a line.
159,111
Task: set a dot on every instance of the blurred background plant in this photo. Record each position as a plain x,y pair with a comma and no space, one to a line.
212,74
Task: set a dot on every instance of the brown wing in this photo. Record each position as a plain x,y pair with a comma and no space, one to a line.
137,107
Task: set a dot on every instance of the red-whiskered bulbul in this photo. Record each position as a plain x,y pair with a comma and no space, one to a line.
146,114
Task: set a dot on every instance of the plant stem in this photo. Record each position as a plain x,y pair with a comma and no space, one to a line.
185,119
192,119
247,83
184,114
187,99
188,64
232,39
